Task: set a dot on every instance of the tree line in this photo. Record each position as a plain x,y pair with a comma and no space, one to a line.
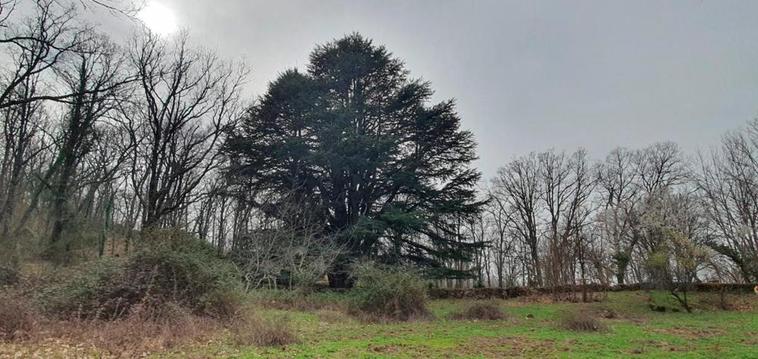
346,159
650,215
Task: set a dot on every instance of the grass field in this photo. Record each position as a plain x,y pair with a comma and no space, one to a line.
530,329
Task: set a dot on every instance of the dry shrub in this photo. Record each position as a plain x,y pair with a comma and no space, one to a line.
261,332
142,331
172,269
580,321
17,317
385,293
480,311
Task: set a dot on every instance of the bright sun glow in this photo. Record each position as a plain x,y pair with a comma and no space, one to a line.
159,19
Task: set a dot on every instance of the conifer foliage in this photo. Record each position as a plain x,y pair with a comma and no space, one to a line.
358,140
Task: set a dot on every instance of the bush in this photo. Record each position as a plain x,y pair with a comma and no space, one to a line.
480,311
388,293
170,269
186,271
580,322
81,290
16,317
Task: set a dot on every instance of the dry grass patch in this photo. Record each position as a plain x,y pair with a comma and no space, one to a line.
136,334
480,311
17,318
144,330
332,316
580,321
261,332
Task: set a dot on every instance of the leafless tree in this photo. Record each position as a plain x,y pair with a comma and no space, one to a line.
38,46
729,184
618,194
287,246
97,77
517,187
188,98
505,256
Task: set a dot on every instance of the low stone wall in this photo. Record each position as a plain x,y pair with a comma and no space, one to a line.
514,292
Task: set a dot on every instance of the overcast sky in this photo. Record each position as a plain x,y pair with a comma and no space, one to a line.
527,75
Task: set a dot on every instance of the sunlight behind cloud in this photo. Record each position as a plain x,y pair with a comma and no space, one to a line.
159,19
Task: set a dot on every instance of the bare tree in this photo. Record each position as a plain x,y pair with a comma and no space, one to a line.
618,194
288,247
97,79
517,187
503,244
21,126
37,47
189,97
729,184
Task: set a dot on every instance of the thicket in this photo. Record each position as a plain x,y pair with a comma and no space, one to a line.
169,267
388,293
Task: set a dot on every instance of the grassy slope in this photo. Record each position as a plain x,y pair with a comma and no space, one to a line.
637,331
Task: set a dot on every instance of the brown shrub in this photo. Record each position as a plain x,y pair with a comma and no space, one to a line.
480,311
384,293
262,333
142,331
579,321
147,328
17,318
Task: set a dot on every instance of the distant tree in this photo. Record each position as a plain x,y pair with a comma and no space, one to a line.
729,184
618,195
356,138
674,234
502,243
517,189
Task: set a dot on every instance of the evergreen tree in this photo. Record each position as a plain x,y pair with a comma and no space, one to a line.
357,140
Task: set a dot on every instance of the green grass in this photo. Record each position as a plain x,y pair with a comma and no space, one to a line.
530,331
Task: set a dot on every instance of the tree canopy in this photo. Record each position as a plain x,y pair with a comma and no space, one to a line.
356,139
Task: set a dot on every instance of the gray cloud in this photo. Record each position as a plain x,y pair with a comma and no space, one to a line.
528,75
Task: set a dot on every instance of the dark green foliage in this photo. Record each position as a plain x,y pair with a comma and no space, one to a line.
169,268
82,289
388,293
356,139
